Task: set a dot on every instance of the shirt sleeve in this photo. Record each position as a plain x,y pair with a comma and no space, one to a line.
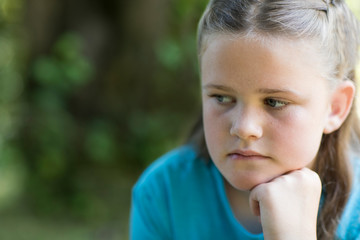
149,217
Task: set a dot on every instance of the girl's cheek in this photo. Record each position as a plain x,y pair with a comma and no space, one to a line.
288,120
300,136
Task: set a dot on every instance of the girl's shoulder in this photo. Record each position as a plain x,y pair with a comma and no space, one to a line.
355,166
174,166
349,227
159,196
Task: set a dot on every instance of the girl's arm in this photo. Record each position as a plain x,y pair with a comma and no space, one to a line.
148,216
288,205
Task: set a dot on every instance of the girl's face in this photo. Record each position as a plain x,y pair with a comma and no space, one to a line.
265,107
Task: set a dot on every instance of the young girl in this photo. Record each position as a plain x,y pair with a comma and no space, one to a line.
274,154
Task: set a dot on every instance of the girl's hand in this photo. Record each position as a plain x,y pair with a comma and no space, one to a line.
288,205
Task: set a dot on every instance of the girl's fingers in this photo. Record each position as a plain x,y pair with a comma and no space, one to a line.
255,207
288,205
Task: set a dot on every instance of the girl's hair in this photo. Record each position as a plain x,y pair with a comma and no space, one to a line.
332,26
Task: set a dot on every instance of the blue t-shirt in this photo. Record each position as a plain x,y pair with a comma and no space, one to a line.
183,197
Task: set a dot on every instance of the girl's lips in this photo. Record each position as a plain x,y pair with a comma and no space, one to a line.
246,155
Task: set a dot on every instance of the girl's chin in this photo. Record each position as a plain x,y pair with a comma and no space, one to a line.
248,184
245,187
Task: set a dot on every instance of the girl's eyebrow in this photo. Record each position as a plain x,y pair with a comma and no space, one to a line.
260,90
219,87
275,90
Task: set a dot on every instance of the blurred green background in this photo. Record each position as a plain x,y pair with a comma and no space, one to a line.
91,92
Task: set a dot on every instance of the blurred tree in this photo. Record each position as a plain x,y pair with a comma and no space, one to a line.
12,45
109,87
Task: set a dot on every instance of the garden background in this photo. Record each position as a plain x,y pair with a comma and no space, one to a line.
91,92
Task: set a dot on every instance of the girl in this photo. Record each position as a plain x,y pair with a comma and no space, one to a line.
273,156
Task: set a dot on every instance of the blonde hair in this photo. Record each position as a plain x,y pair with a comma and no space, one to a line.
327,23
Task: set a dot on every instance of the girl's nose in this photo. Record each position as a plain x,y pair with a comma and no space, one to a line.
246,125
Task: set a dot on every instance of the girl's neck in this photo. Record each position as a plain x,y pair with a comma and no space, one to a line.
239,202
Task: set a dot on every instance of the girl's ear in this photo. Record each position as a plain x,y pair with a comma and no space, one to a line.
341,102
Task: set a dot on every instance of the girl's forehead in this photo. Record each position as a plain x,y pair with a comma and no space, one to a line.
244,61
268,46
293,50
262,40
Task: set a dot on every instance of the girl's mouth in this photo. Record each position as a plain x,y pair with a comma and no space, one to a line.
246,155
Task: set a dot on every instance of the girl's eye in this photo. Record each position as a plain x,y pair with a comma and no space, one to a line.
223,99
275,103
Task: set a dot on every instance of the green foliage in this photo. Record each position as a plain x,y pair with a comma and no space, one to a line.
169,54
153,134
10,11
52,131
13,173
101,143
65,69
12,161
